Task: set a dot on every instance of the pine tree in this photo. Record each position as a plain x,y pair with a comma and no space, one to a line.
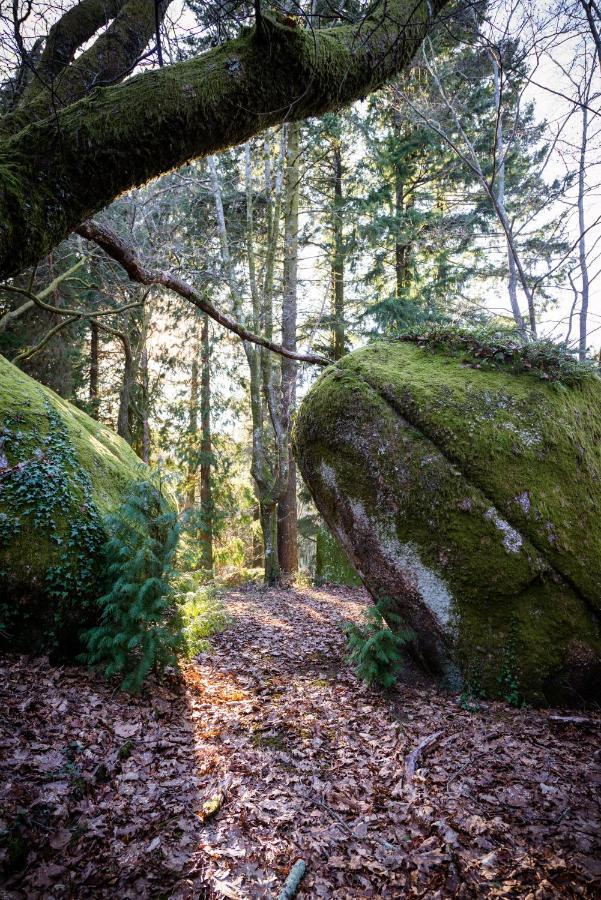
140,626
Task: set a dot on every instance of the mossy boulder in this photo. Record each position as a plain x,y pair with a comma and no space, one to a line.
61,473
332,565
469,497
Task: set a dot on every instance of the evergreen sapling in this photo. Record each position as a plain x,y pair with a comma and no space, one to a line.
375,648
140,628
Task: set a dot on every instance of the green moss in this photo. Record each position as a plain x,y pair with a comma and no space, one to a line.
332,564
60,474
532,448
504,350
482,484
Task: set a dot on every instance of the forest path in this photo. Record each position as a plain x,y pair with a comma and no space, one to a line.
101,795
312,766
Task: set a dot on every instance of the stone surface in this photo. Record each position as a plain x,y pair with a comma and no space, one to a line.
332,565
471,498
61,473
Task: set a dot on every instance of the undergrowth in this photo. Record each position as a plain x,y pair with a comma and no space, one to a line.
202,612
498,348
375,647
140,625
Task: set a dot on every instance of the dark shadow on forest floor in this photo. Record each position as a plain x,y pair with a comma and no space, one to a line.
308,762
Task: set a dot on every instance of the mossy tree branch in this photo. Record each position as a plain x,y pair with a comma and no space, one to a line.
111,57
57,172
78,25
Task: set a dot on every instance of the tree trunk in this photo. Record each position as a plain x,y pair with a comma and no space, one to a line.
257,543
94,362
269,527
127,383
499,162
192,468
584,275
338,326
287,512
206,452
145,403
402,250
288,524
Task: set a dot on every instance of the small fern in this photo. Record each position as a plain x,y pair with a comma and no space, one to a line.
140,627
375,648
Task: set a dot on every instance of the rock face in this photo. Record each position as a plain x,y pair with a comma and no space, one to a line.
61,472
332,565
470,499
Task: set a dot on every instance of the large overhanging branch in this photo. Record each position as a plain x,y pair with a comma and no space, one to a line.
57,172
60,80
123,254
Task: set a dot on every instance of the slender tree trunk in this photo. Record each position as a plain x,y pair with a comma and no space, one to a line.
338,329
402,249
145,400
269,471
94,363
257,545
127,383
192,468
269,527
206,452
512,283
287,511
584,275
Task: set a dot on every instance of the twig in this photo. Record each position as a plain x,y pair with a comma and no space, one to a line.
457,773
413,758
575,720
346,826
292,883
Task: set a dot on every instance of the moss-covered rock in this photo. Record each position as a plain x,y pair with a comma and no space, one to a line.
470,497
332,565
61,472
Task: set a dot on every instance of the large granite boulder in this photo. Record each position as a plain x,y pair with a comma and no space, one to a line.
61,473
470,499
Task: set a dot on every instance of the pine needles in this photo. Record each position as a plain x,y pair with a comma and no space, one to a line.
375,648
140,627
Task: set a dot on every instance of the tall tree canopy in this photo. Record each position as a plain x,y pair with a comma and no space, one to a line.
77,135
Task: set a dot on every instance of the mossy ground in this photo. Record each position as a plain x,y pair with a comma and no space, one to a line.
493,478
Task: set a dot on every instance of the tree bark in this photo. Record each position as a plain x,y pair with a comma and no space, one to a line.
287,511
269,528
127,384
94,361
338,326
192,467
206,452
582,255
115,138
402,248
145,400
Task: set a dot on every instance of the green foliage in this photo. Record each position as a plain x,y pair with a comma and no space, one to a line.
508,678
375,648
201,610
501,348
332,565
140,623
49,491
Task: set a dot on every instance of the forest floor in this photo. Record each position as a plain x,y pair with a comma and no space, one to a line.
102,795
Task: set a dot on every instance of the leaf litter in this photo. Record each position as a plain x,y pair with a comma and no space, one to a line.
267,750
